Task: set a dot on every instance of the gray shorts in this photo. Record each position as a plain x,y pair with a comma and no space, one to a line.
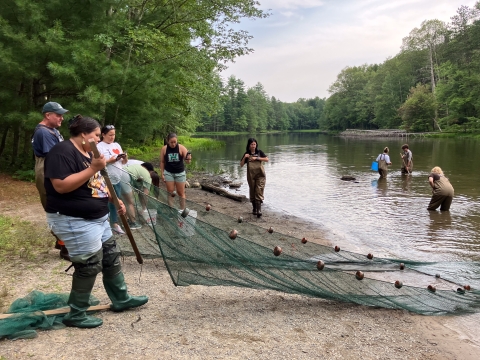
171,177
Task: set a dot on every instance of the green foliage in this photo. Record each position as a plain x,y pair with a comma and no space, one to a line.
24,175
13,235
148,67
418,111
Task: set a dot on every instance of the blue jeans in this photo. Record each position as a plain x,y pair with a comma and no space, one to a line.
81,236
120,189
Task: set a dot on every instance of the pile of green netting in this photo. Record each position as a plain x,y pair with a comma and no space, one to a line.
27,315
197,250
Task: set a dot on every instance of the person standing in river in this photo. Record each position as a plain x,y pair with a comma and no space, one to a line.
407,160
254,158
383,163
442,190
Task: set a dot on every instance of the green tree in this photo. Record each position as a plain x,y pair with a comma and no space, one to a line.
418,111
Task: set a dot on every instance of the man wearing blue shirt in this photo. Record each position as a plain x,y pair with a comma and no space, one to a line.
45,137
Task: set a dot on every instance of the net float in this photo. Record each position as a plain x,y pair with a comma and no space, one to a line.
461,291
240,219
277,251
359,275
398,284
370,256
270,230
337,248
320,265
208,207
233,234
432,288
173,193
466,287
402,266
437,276
185,212
304,240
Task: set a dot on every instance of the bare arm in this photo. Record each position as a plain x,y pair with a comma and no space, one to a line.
243,161
74,181
162,162
432,184
187,157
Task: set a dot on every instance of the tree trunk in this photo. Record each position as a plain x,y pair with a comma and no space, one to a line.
4,139
16,141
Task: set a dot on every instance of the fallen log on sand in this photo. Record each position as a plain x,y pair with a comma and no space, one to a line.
223,192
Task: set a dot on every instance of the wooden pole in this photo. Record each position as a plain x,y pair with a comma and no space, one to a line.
113,194
64,310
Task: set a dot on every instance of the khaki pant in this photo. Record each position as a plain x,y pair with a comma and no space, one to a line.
40,180
256,180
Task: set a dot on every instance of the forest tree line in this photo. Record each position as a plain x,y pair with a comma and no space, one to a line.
432,84
148,67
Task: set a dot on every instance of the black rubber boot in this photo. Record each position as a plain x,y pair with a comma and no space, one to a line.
259,208
117,292
79,301
254,211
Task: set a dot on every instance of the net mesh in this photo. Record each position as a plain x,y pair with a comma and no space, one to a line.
197,250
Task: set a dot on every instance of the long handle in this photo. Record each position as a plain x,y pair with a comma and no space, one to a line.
113,194
64,310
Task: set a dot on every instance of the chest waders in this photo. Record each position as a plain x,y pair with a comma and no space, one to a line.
442,195
256,182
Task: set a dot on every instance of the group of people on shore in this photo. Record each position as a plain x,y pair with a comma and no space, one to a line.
79,207
442,189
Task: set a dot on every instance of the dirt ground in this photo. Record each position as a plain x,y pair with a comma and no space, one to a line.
198,322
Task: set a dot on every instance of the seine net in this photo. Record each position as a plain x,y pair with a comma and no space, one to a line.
198,249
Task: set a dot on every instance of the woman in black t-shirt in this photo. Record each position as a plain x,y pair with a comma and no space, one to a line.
77,211
172,168
256,178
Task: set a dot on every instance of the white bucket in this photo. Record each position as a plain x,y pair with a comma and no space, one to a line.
150,216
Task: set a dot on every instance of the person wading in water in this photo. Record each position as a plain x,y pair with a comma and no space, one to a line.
256,178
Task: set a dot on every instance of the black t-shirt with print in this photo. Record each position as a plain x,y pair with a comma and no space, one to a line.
90,200
258,153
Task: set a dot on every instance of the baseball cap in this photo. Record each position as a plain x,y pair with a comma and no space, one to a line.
54,107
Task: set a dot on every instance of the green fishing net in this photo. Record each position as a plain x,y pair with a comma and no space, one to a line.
197,249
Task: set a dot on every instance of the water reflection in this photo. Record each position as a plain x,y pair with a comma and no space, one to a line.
387,215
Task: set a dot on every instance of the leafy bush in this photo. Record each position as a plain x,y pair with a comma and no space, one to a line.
24,175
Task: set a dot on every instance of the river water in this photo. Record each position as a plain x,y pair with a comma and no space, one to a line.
386,217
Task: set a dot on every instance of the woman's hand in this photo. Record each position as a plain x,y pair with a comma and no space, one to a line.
122,210
98,163
246,156
113,159
163,177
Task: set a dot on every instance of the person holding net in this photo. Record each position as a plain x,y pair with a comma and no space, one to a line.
407,160
442,190
77,211
173,157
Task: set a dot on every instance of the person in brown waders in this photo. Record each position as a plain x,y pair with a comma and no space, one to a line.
407,160
442,190
256,179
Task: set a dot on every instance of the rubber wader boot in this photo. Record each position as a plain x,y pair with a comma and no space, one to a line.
254,212
79,303
259,208
117,292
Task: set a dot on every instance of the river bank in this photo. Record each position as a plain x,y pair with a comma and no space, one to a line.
200,322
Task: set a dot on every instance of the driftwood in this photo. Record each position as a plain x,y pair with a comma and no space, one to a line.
347,178
223,192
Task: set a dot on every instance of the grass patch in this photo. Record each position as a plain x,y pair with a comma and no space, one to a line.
19,238
152,152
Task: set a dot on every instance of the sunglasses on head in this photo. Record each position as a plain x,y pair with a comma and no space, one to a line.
110,127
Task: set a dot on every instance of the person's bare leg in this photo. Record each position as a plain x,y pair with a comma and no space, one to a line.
128,200
181,193
170,187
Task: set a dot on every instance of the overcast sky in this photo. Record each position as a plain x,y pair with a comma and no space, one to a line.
304,44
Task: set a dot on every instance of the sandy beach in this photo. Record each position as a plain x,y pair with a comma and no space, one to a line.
198,322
